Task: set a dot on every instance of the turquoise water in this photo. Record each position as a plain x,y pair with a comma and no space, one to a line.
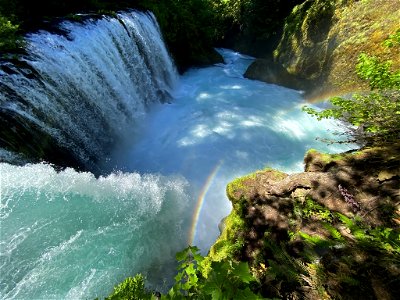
221,126
68,235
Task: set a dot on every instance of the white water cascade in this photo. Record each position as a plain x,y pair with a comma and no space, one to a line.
95,88
87,87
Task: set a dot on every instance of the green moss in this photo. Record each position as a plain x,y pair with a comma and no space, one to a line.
230,241
274,174
323,159
328,158
239,188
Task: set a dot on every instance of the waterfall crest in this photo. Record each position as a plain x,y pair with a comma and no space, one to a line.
81,91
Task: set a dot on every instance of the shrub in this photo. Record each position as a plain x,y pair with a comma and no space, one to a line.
132,288
9,38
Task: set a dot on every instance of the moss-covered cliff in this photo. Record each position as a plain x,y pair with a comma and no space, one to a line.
321,42
331,232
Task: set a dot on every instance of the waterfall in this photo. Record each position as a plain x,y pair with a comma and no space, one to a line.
80,90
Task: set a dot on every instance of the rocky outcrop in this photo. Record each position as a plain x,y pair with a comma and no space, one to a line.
268,71
370,176
322,40
330,212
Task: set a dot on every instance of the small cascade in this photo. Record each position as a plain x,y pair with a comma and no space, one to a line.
79,91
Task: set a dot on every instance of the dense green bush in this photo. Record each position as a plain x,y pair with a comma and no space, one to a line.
132,288
196,279
10,39
251,26
189,28
374,117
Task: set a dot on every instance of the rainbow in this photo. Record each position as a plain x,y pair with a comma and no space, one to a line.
200,201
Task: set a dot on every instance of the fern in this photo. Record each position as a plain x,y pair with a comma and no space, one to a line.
282,265
335,234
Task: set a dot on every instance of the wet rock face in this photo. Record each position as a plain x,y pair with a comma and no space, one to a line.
268,71
19,136
304,49
321,43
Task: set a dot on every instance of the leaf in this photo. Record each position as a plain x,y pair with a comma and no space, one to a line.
198,258
334,232
210,287
190,270
182,255
349,223
217,295
178,277
242,271
194,249
246,294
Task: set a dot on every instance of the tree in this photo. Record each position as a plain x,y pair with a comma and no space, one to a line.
9,37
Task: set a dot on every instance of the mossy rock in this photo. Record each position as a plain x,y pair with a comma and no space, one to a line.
303,239
303,47
322,40
247,187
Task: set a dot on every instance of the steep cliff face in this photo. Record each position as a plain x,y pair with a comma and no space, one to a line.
322,40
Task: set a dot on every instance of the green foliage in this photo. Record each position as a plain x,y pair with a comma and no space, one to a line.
348,254
377,73
222,280
311,210
393,39
132,288
316,241
282,265
196,280
335,234
379,238
187,279
257,21
374,118
9,37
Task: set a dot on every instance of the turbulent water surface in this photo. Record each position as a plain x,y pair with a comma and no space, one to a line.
71,235
218,127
